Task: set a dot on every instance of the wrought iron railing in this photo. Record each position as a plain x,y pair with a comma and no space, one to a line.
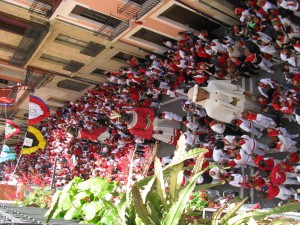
146,7
92,49
73,66
29,43
108,32
44,8
135,9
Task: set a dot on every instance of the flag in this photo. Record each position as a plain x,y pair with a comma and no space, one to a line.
11,129
33,141
8,95
7,154
38,110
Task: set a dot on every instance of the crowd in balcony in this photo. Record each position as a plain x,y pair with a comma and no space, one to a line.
91,136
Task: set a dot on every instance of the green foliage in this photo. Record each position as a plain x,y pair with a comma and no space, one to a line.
41,197
258,215
198,201
86,200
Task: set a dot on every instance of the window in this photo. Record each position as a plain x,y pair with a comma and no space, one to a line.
96,16
87,48
63,39
56,100
7,47
151,36
98,72
55,60
122,56
69,65
72,85
188,18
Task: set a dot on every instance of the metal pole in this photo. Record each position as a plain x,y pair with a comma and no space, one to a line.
53,173
11,176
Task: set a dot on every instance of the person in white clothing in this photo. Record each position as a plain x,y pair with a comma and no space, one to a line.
261,121
250,146
284,144
217,127
244,159
228,141
266,83
216,173
222,100
218,152
235,180
169,116
247,126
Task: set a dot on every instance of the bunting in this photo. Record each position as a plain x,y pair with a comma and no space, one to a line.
11,129
7,154
33,141
38,110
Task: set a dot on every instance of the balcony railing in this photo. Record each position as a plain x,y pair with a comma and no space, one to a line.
73,66
44,8
92,49
29,43
135,9
35,80
108,32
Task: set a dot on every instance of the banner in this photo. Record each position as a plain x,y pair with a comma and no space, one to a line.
38,110
33,141
11,129
7,154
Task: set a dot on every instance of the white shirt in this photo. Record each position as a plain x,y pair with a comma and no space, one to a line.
238,179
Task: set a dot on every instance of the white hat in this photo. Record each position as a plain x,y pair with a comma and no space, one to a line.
193,93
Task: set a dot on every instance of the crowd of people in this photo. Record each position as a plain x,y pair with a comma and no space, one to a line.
100,133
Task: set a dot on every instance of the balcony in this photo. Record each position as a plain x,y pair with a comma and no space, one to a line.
92,49
44,8
135,9
32,38
107,31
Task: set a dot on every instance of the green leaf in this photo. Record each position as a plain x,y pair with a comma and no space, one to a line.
175,180
174,214
147,189
160,186
72,213
198,164
54,206
140,208
155,217
188,155
207,186
91,209
233,211
113,211
65,201
154,199
258,215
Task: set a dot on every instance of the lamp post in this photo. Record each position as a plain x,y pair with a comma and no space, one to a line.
63,161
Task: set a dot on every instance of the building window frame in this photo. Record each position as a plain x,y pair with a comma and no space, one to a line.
70,42
72,85
98,72
152,46
94,17
56,100
54,60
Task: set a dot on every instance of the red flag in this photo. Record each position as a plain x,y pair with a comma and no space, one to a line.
11,129
38,110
